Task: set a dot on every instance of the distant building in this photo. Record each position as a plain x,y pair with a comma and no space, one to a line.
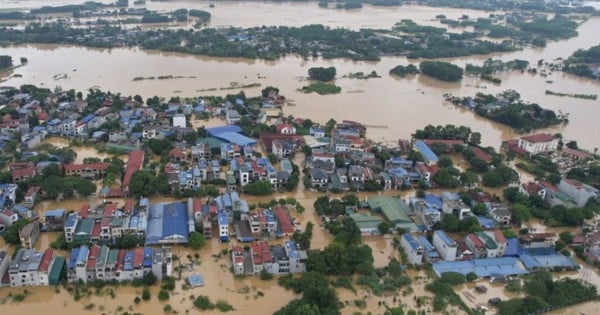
579,192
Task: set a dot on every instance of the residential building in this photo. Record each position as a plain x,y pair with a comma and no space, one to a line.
23,271
444,245
285,129
31,195
538,240
4,264
579,192
452,204
223,223
538,143
29,234
179,121
89,171
500,241
412,248
368,224
134,164
428,155
429,252
476,246
232,117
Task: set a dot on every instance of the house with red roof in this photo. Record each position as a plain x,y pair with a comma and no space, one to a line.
19,175
134,164
284,220
45,266
482,155
31,194
538,240
177,155
538,143
285,129
476,246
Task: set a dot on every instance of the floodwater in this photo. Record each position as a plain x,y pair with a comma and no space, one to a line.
259,13
82,152
393,107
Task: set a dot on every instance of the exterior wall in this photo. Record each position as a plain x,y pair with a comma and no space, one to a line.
447,253
414,256
538,147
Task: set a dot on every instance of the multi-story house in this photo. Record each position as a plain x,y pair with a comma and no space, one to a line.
445,245
412,248
538,143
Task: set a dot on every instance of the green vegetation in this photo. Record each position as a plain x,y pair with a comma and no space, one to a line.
321,73
441,70
322,88
203,303
259,188
543,294
449,132
5,62
362,75
11,235
403,71
586,174
196,241
163,295
582,96
202,16
507,108
581,63
444,292
317,295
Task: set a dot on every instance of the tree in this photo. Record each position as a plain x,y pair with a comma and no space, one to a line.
471,276
321,73
146,294
258,188
11,236
444,71
127,241
475,138
163,295
203,302
149,279
196,240
521,213
383,227
445,161
479,209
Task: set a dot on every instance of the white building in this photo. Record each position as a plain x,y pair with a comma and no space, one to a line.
179,121
578,191
412,248
538,143
444,245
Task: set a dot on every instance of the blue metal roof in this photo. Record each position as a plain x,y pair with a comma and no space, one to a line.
175,221
445,238
411,241
426,151
505,266
71,220
55,213
83,254
236,138
223,219
147,257
73,257
486,222
434,201
221,129
128,263
88,118
291,249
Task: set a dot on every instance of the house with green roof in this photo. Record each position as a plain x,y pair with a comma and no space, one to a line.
394,210
368,224
83,231
490,244
56,271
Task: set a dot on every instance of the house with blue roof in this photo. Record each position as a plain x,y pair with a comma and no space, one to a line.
428,155
167,224
412,248
446,246
430,254
71,274
54,220
81,263
223,222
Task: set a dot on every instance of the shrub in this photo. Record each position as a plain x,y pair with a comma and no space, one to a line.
163,295
223,306
203,302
